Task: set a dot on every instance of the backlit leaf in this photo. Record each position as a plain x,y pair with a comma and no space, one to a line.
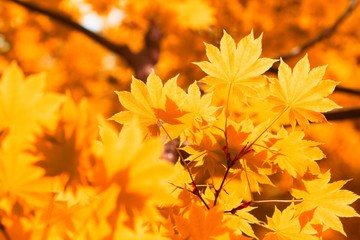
328,200
302,93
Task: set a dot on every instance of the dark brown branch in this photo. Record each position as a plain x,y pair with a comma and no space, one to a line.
4,232
348,90
141,62
343,114
322,35
67,21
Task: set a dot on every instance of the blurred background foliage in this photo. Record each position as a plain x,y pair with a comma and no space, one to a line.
90,48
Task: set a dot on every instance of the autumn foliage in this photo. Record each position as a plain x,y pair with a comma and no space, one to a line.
205,161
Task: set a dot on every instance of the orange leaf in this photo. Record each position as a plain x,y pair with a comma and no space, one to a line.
201,223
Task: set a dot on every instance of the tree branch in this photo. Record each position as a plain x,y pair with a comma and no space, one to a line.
67,21
348,90
343,114
141,62
4,232
322,35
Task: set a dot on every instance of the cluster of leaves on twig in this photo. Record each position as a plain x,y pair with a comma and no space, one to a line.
236,137
237,129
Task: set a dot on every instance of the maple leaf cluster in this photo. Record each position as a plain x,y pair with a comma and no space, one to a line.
233,131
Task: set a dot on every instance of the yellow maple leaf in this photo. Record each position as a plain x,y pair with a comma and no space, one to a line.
328,199
70,215
296,155
22,185
134,170
302,93
238,219
238,67
139,101
151,103
200,224
24,104
67,152
206,153
200,110
286,226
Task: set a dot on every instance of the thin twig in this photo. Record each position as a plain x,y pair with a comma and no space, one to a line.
261,224
241,154
322,35
247,180
217,191
226,117
266,129
183,162
278,201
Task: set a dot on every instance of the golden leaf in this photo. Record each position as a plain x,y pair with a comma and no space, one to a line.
302,93
151,103
234,66
134,170
296,155
20,96
286,226
328,199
